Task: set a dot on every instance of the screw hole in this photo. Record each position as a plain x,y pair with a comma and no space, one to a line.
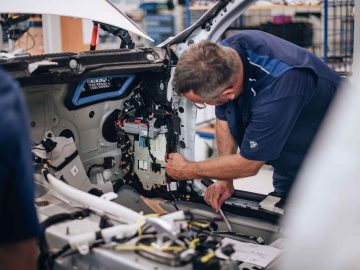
182,144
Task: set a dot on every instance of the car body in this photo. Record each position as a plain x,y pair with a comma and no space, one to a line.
104,122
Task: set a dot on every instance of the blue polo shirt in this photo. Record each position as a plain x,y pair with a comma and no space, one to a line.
18,220
286,93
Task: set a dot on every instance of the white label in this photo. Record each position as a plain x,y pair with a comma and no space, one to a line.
74,170
251,253
173,186
143,165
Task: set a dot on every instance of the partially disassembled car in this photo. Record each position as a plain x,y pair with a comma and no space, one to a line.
102,125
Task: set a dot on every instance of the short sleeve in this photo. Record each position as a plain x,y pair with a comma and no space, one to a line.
220,112
274,115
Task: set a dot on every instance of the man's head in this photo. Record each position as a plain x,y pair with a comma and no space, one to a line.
209,73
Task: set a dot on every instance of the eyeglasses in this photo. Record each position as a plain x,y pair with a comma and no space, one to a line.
209,101
200,106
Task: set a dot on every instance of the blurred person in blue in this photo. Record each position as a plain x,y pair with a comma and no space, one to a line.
18,220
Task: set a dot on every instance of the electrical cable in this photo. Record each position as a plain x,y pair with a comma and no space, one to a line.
36,148
147,141
46,258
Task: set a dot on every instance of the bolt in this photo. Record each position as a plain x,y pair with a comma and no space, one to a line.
161,86
73,63
190,42
207,28
150,57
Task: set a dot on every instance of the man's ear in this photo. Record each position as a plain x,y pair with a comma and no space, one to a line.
229,93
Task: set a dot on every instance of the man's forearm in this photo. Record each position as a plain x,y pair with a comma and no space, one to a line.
224,168
225,142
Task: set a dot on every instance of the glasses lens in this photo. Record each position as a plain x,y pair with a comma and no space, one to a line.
200,105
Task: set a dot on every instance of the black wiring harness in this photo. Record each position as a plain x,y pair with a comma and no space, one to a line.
47,258
144,107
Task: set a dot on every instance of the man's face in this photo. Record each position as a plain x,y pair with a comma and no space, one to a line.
228,93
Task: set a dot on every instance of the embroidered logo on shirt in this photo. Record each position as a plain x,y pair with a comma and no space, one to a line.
253,144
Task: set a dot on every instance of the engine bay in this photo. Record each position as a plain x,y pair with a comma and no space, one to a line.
104,123
122,122
102,126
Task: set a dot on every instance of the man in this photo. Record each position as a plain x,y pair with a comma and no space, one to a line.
18,220
270,96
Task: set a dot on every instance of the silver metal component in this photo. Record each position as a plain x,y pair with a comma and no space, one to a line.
242,203
73,64
226,220
150,57
269,204
161,86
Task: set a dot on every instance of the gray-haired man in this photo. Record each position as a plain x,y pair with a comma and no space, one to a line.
270,97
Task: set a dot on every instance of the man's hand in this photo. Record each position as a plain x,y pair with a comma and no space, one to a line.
177,167
218,193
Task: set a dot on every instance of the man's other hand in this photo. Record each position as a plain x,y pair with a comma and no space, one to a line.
177,167
218,193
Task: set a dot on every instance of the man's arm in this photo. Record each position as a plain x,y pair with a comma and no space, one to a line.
19,256
226,167
225,142
219,192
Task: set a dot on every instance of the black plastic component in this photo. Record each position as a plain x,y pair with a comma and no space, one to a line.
228,250
156,167
105,222
108,128
133,104
67,133
109,162
156,88
96,192
49,145
90,63
175,125
126,40
213,226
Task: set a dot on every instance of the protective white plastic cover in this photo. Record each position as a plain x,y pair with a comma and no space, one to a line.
97,10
